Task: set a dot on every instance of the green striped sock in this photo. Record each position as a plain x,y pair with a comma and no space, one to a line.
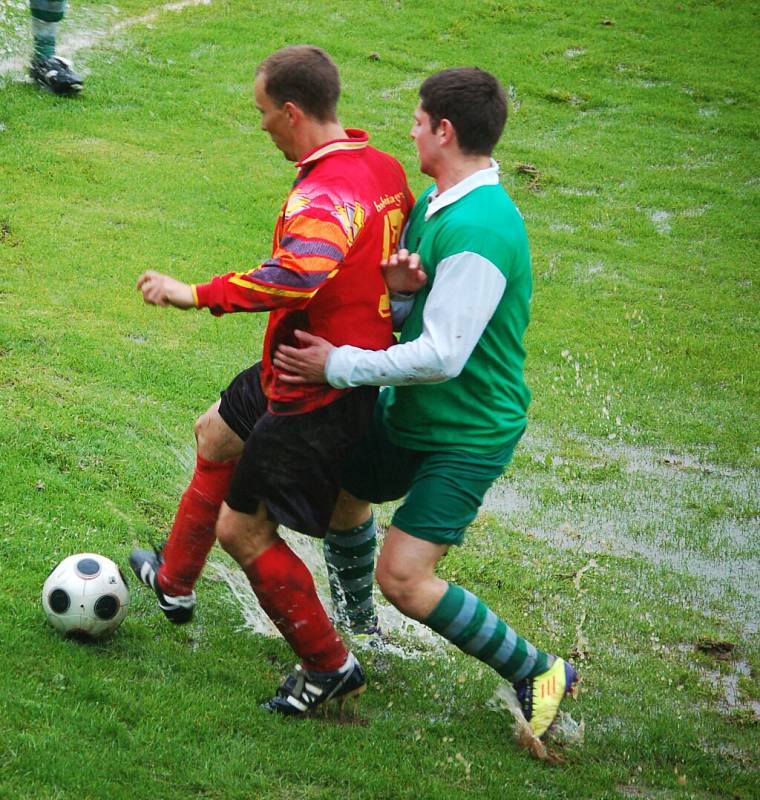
350,559
467,622
46,14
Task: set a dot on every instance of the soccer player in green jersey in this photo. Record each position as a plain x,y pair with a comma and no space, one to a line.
456,405
49,70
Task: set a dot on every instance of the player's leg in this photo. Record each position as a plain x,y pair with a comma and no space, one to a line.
283,585
192,536
444,498
374,469
349,550
285,590
220,433
288,474
49,70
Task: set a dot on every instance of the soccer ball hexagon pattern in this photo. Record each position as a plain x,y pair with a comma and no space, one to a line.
85,596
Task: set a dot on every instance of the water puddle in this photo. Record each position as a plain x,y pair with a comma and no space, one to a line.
670,509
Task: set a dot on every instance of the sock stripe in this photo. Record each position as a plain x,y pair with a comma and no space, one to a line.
347,541
359,583
483,636
512,659
507,649
473,626
346,563
494,643
51,6
461,620
46,11
364,605
350,560
528,664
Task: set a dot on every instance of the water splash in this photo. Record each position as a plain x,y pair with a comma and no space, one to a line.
407,638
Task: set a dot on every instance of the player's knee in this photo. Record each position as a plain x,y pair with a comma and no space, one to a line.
204,431
226,534
245,536
215,440
397,585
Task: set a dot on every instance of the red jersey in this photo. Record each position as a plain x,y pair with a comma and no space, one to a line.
343,216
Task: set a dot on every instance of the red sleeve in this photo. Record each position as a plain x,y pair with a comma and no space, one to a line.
312,244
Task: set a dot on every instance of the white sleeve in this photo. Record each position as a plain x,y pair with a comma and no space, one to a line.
464,295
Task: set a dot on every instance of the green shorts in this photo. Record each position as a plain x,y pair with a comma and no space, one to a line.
442,489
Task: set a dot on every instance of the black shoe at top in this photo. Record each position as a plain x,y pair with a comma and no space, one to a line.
56,74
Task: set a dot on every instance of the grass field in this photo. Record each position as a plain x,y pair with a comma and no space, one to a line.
626,530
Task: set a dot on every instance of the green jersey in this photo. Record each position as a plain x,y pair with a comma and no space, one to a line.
484,407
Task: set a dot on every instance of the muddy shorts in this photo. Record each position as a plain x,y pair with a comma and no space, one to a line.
291,462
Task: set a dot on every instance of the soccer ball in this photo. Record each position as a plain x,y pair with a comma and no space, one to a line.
85,596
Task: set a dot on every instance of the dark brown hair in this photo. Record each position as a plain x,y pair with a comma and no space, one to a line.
473,101
304,75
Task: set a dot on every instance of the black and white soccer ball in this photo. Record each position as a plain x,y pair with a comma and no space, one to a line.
85,596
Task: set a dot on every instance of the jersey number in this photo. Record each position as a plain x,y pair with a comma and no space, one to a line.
394,222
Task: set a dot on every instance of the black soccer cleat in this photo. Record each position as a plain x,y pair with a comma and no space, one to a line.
303,691
56,74
177,608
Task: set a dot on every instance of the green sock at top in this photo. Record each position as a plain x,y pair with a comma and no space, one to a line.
46,14
350,560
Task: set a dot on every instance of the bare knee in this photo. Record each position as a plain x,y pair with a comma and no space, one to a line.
215,440
406,573
245,536
398,585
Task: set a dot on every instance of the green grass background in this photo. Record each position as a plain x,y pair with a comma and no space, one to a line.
640,125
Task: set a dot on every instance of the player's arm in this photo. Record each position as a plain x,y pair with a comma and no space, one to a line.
464,295
311,247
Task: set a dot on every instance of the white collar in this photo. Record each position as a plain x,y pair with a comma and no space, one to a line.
483,177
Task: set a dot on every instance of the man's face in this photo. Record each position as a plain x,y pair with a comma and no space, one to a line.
428,146
274,119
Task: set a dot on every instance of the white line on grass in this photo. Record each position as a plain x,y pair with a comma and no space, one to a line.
80,40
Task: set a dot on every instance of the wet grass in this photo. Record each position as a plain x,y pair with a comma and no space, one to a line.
626,531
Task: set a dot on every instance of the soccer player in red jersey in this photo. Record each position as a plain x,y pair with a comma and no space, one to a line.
268,452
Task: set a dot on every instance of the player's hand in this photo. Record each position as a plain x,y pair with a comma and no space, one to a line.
161,290
403,272
304,364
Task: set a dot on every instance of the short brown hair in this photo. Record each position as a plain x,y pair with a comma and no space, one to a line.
304,75
473,101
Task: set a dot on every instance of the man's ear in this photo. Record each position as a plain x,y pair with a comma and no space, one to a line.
293,112
446,132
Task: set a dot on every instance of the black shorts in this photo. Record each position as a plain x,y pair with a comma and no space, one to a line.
292,462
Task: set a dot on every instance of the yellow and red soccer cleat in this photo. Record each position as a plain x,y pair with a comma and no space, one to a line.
541,696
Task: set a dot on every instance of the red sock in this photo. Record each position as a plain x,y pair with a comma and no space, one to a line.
286,592
192,535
